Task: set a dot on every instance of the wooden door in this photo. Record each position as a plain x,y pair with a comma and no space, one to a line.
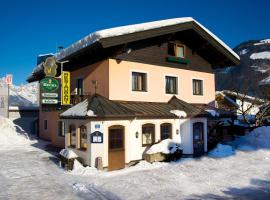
198,142
116,154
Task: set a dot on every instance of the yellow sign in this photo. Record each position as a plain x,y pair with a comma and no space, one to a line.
65,88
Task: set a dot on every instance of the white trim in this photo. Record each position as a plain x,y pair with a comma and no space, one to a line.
62,128
177,84
147,81
201,79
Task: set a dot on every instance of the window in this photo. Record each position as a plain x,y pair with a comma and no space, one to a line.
176,50
197,87
148,134
61,129
72,132
83,137
171,85
165,131
139,81
45,124
79,86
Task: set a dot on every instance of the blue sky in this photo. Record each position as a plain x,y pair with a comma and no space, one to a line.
32,27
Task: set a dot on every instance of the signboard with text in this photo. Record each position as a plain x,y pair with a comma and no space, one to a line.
9,79
97,137
65,89
50,90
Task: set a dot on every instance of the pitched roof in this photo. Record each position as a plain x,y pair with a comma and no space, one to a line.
102,40
98,106
135,28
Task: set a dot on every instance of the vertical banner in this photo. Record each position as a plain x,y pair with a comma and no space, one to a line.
65,90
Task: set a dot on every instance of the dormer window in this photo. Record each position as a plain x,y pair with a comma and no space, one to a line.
176,50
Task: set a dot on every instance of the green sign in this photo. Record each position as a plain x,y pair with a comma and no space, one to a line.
49,84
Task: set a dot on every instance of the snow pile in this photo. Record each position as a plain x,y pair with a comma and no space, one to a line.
243,52
79,110
68,154
179,113
221,151
258,138
123,30
260,55
214,113
167,146
12,135
79,169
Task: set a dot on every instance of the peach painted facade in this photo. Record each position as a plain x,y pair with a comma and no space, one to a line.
120,85
98,71
52,127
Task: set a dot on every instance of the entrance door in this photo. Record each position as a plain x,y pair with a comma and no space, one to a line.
116,153
198,143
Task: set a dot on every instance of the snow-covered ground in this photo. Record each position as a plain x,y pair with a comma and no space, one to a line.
29,172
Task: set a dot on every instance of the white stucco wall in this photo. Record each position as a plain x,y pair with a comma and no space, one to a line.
133,146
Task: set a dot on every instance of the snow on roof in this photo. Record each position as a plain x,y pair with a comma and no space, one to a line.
123,30
260,55
266,41
265,81
166,146
179,113
244,96
214,113
227,98
79,110
67,153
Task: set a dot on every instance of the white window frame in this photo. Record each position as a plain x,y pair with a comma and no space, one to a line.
147,81
63,123
164,79
198,95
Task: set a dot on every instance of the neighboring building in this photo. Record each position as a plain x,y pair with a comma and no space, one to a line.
136,85
239,103
25,117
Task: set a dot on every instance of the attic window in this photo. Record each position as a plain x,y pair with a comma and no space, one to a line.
176,50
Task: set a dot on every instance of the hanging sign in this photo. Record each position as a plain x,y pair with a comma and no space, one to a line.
50,91
65,100
50,67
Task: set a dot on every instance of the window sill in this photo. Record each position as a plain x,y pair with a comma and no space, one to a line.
178,60
72,146
139,91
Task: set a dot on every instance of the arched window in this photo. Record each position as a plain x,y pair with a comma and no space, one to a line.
148,134
72,135
165,131
83,137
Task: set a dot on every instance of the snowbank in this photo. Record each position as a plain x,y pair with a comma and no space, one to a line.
79,169
68,154
258,138
12,135
167,146
221,151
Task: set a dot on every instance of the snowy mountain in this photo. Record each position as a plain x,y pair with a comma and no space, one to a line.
252,75
23,95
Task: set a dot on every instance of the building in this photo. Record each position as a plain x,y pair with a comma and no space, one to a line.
135,85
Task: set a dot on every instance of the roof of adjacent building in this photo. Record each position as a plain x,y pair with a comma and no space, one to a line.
98,106
100,41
